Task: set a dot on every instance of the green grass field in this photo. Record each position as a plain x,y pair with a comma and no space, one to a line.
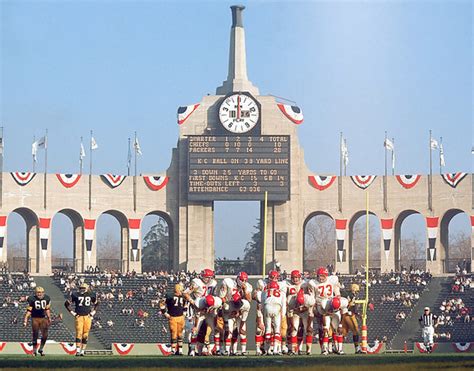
387,362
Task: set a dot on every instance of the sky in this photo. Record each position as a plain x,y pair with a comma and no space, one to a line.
116,67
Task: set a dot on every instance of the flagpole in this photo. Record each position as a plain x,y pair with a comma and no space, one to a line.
80,158
34,159
339,180
430,205
129,157
393,157
385,177
135,175
90,172
45,164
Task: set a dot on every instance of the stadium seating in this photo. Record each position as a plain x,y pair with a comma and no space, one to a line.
127,327
458,330
14,289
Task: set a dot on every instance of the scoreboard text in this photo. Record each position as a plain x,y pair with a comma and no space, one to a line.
238,167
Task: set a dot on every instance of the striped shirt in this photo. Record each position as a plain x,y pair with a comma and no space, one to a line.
428,320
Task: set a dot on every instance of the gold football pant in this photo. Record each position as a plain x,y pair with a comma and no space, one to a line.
176,329
83,326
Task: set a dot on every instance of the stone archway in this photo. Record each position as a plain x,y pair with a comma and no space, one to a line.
411,249
448,241
158,238
319,241
117,255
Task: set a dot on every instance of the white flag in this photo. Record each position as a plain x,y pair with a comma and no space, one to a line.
82,152
136,145
344,152
34,150
434,144
389,144
441,155
393,160
94,144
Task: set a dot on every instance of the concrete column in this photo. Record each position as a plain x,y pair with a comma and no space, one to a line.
78,247
344,267
32,246
4,250
200,236
386,265
124,255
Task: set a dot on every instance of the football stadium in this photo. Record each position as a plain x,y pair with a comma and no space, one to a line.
339,271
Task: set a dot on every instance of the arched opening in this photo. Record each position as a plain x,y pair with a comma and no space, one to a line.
357,242
67,241
319,236
112,241
410,241
22,241
455,234
157,245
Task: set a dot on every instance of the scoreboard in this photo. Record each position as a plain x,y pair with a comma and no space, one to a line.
238,167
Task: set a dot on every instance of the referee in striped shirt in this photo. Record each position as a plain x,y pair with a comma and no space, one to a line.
428,321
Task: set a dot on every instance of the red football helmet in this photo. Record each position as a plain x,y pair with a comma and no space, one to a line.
336,303
322,274
295,276
300,297
273,285
242,277
236,297
207,274
273,275
210,300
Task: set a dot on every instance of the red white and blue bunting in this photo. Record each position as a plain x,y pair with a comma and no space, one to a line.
134,227
2,345
123,349
387,233
462,347
28,347
155,183
89,228
3,224
69,348
23,178
453,179
44,224
166,350
293,113
422,347
68,180
432,225
374,349
321,182
408,181
363,181
341,225
185,111
113,180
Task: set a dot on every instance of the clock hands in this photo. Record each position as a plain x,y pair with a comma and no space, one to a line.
238,107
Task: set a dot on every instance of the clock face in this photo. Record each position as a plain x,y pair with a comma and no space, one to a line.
239,113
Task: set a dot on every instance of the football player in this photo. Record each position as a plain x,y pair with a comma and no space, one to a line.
274,305
349,317
324,286
292,289
236,296
206,309
300,310
330,310
173,307
39,310
85,306
259,326
199,288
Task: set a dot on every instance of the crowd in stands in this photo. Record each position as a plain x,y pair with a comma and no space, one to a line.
455,308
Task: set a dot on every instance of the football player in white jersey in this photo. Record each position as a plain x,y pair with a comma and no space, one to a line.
274,305
283,285
300,310
331,310
236,295
324,286
259,326
199,288
206,309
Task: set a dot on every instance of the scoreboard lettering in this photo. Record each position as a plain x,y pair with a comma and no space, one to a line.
238,167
